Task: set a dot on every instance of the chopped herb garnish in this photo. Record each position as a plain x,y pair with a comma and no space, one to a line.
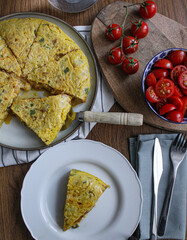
66,70
46,46
44,24
86,90
31,104
35,32
41,40
75,226
0,100
84,182
32,112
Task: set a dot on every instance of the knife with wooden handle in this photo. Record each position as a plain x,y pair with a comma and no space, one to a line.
131,119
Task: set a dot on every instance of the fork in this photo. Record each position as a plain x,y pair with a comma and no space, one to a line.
177,153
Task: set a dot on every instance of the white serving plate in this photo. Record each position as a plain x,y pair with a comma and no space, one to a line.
117,212
16,135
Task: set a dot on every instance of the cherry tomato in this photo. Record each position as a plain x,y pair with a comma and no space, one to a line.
130,65
184,99
148,9
113,32
177,57
185,62
151,79
162,102
139,29
176,71
175,116
164,88
116,55
182,80
168,107
160,73
176,101
164,63
177,91
151,95
184,91
130,44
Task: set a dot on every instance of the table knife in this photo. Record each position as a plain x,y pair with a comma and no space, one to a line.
157,173
131,119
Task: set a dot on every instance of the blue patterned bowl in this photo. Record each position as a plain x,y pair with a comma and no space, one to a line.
148,69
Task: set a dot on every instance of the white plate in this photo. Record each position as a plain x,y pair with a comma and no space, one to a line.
117,212
16,135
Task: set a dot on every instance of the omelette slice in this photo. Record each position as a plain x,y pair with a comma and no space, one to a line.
9,89
50,44
8,61
83,191
69,75
45,116
19,34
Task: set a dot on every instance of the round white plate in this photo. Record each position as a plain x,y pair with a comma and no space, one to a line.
117,212
16,135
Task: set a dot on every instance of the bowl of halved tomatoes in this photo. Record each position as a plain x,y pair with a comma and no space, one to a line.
164,84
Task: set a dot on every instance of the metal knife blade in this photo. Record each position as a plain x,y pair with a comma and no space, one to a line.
157,173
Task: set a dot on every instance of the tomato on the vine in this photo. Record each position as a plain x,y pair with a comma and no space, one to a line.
182,80
139,29
164,63
116,55
113,32
164,88
148,9
177,57
151,95
130,44
130,65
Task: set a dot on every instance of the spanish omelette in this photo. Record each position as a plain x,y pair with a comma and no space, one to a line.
83,191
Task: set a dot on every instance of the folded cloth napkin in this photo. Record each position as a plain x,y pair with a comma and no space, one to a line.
103,102
141,152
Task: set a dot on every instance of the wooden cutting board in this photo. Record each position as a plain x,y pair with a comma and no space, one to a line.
163,33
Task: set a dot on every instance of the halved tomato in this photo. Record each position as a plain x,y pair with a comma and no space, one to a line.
184,110
182,80
168,107
175,116
176,101
164,63
151,79
162,102
176,71
151,95
177,91
160,72
164,88
184,91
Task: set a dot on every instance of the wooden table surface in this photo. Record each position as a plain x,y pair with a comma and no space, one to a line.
12,226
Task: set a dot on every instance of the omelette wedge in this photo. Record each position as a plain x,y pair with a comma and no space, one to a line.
83,191
9,89
19,34
8,62
45,116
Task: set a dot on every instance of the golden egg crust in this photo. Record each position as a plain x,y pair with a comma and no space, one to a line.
9,89
45,116
83,191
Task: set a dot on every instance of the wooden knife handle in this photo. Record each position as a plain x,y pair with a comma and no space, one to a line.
132,119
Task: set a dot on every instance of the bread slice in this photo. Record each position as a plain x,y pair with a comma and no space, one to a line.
83,191
9,89
45,116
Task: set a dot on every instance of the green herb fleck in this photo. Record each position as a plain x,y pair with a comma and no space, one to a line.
0,100
46,46
44,24
84,182
66,70
86,90
75,226
35,32
32,112
41,40
31,104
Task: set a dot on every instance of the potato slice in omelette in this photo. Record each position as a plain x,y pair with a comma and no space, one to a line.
8,62
19,34
69,75
9,89
45,116
51,43
83,191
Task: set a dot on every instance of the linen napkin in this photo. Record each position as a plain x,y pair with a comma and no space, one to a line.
141,152
103,102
